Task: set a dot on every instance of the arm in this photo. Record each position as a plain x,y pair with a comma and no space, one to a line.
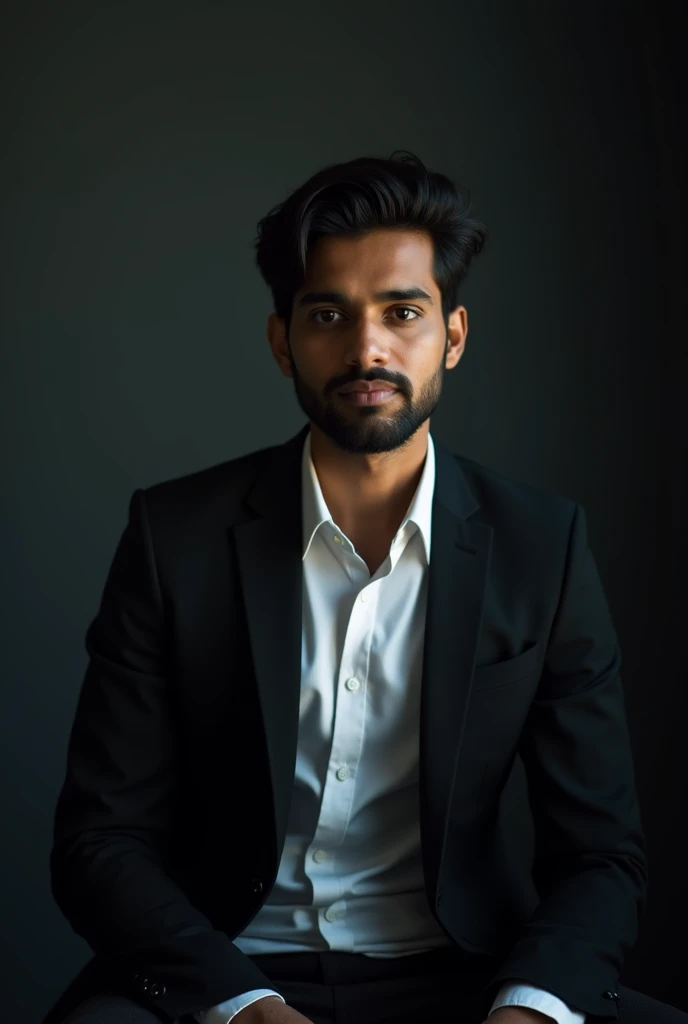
589,864
116,806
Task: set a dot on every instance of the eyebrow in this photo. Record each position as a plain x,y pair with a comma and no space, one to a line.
393,295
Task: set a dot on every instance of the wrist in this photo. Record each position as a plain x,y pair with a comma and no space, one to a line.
263,1010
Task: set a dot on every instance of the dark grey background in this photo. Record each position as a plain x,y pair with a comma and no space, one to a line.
142,144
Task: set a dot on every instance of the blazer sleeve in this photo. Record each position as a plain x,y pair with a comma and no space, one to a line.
116,806
589,865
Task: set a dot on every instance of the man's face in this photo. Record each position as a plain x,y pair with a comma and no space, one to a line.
344,329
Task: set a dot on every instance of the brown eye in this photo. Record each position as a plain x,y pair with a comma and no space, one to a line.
313,315
397,309
407,309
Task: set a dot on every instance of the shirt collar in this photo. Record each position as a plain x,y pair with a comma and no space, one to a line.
315,511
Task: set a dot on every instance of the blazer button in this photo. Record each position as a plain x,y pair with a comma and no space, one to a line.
256,886
611,995
156,990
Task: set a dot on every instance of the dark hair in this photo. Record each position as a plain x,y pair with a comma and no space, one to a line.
358,196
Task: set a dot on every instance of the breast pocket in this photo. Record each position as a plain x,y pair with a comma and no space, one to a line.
503,673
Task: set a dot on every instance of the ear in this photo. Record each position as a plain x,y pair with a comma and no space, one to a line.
457,329
277,336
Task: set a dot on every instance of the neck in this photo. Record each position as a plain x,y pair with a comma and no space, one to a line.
375,489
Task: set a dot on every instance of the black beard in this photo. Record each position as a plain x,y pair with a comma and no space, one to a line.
370,429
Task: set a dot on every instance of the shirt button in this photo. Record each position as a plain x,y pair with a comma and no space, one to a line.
362,597
342,774
333,915
338,540
352,684
320,856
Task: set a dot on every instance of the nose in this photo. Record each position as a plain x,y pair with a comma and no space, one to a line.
366,344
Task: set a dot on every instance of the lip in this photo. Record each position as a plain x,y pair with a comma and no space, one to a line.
364,385
378,397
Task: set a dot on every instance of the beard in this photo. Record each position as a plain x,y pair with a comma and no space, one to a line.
370,429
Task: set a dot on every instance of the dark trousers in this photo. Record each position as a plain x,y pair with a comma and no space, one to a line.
349,988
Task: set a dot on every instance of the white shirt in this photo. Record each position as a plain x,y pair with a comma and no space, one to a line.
350,877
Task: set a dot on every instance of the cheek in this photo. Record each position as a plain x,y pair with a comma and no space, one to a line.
428,360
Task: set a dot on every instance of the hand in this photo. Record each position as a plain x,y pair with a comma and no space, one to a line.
269,1010
518,1015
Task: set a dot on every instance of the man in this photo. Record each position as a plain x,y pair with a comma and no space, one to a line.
312,671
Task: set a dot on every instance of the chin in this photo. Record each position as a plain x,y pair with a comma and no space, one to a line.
373,439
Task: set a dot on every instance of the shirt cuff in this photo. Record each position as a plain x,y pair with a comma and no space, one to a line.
224,1012
519,993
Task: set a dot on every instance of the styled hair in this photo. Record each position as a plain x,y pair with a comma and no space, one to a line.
359,196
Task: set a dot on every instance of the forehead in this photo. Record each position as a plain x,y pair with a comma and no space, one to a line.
367,261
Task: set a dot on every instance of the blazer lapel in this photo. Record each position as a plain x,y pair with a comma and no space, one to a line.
457,579
269,552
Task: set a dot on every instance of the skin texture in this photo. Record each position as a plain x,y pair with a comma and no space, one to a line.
271,1010
369,459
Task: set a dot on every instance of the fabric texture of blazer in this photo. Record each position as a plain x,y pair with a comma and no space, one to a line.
187,719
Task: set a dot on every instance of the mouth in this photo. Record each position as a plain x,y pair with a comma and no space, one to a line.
368,397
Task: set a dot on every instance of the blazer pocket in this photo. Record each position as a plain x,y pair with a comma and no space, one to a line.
503,673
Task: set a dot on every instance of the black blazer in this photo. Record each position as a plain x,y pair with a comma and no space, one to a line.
171,820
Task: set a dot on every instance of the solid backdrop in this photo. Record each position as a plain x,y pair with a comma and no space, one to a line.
142,144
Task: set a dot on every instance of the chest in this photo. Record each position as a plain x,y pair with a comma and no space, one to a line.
372,550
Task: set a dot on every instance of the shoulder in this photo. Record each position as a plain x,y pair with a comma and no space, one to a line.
490,485
206,497
517,508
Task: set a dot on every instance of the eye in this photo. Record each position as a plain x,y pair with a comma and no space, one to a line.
318,311
407,309
406,320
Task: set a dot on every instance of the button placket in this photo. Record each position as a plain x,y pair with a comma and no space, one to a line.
348,726
339,789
